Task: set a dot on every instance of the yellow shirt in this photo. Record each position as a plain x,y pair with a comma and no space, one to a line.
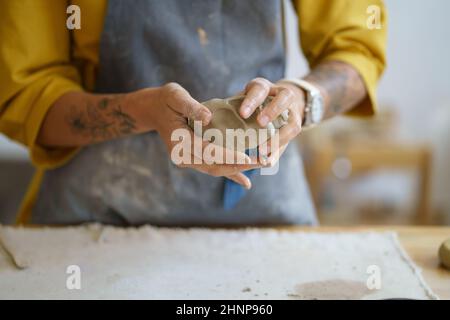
40,60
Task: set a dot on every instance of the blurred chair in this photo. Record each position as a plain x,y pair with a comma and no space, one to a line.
372,156
355,147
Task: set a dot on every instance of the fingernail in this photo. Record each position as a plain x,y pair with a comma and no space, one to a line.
263,120
246,111
207,113
248,185
206,117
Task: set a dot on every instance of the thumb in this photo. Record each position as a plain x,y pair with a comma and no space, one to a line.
181,101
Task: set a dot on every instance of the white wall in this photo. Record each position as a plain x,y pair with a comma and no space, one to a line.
417,80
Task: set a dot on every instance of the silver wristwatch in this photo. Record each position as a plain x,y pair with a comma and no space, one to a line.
314,109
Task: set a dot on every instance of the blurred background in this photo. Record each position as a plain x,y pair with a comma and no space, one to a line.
391,169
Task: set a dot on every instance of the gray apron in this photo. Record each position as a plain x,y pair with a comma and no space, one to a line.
212,48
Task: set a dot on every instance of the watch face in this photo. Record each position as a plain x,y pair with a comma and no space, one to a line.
317,109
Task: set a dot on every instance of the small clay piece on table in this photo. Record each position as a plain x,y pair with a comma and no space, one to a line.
444,253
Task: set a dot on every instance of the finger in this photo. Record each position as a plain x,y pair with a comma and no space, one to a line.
181,101
280,138
219,165
192,155
281,102
293,127
283,135
255,94
241,179
220,161
220,170
225,155
275,156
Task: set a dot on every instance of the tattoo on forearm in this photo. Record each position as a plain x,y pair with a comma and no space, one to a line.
342,85
101,121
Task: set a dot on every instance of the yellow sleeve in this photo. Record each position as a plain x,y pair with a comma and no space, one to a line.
35,70
338,30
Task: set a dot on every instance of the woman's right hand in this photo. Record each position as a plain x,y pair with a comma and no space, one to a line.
171,111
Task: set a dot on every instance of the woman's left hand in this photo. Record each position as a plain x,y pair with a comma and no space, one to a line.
286,96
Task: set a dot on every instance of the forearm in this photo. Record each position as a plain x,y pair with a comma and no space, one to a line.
341,85
80,118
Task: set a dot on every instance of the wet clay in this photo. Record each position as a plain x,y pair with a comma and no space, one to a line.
333,289
225,115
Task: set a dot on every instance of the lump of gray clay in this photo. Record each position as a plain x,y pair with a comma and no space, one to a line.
444,253
225,115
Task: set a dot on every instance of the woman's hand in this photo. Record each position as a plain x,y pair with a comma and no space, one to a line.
285,97
172,108
82,118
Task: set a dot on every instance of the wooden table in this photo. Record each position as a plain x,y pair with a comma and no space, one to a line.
421,244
